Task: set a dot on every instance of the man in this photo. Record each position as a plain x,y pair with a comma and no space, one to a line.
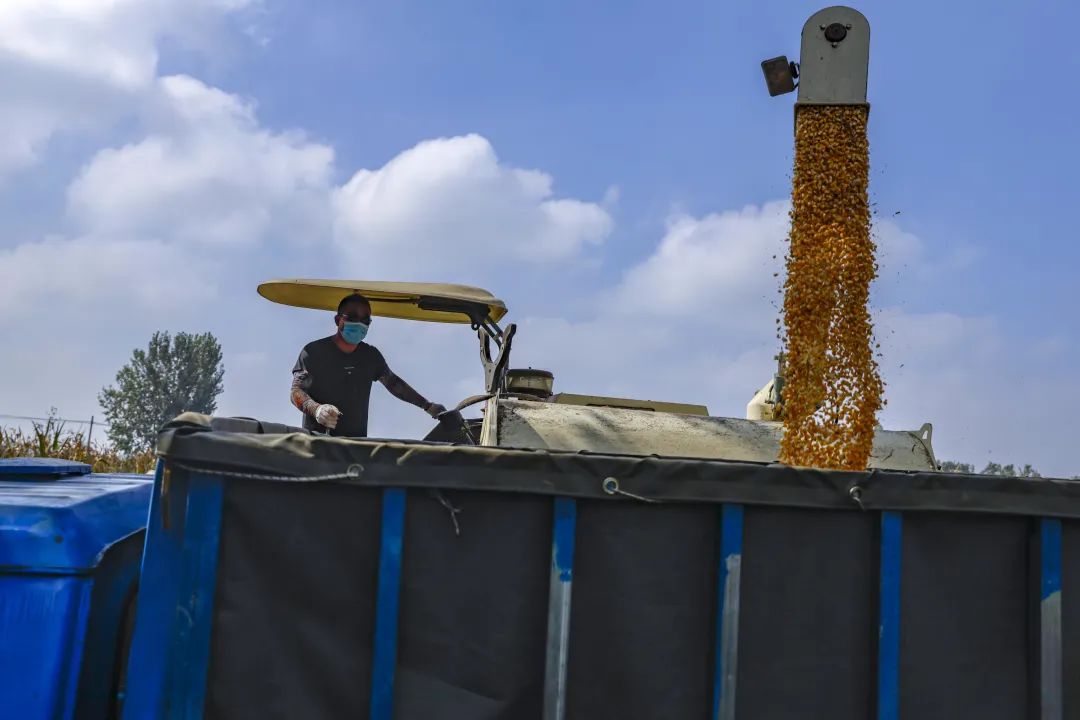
332,378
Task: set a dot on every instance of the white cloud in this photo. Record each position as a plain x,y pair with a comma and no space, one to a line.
207,173
716,270
449,206
77,277
78,65
989,398
172,232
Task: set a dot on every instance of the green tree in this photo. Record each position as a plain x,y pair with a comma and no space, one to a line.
173,375
957,467
1010,470
992,468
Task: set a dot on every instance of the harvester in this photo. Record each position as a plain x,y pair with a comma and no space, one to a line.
562,556
521,409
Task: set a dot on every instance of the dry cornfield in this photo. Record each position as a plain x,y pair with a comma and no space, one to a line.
832,386
51,439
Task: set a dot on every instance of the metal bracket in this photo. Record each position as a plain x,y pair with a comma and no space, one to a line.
495,369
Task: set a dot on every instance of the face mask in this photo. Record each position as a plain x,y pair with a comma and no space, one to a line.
354,332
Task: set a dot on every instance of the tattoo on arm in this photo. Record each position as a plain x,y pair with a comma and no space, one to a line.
402,391
300,398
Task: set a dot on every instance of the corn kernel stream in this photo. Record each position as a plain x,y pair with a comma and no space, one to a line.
832,386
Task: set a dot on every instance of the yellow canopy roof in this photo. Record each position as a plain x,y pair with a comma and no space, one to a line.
388,299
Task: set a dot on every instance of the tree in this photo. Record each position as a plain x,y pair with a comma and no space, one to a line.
1010,470
992,468
956,467
172,376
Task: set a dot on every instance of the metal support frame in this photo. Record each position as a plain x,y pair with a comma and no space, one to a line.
559,595
384,650
1050,654
888,695
495,368
727,618
170,654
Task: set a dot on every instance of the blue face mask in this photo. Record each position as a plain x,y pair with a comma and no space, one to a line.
354,332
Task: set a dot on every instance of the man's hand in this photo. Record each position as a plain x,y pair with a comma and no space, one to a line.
327,416
434,409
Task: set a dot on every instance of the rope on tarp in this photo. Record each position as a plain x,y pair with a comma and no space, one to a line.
351,473
611,486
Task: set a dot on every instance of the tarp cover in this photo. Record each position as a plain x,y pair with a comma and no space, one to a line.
379,463
295,602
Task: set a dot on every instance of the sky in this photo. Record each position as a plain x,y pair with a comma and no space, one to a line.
615,171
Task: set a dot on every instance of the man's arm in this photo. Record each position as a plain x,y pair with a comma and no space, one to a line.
324,414
298,395
403,391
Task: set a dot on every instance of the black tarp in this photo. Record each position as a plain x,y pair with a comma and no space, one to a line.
294,607
644,601
965,634
807,645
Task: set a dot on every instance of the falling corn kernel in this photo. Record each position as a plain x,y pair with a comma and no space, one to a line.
832,386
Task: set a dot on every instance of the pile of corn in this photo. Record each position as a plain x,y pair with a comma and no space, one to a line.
832,389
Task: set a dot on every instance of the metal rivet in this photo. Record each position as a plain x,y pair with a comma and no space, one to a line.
611,485
354,470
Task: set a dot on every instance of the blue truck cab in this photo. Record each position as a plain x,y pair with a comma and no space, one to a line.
70,550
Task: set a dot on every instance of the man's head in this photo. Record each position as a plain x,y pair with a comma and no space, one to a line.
353,318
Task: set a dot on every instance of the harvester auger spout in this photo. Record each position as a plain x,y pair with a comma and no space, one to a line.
833,63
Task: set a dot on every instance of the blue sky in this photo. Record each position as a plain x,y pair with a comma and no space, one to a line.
972,121
650,119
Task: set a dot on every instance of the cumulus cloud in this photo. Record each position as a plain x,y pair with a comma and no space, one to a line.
74,277
207,173
450,205
719,269
77,65
174,229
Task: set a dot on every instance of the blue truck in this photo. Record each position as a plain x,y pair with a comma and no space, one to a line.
285,574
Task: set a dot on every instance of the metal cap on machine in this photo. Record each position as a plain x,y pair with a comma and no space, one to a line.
530,382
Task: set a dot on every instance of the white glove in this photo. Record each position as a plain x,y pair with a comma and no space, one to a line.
327,416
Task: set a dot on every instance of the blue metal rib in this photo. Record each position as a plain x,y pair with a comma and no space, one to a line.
384,661
889,617
1050,655
727,619
559,594
195,601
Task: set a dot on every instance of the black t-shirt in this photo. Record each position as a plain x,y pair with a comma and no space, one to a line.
342,379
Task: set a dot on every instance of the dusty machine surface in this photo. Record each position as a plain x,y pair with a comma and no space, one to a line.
521,409
554,426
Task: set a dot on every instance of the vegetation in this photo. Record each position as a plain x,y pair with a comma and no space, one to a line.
52,439
993,468
170,377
